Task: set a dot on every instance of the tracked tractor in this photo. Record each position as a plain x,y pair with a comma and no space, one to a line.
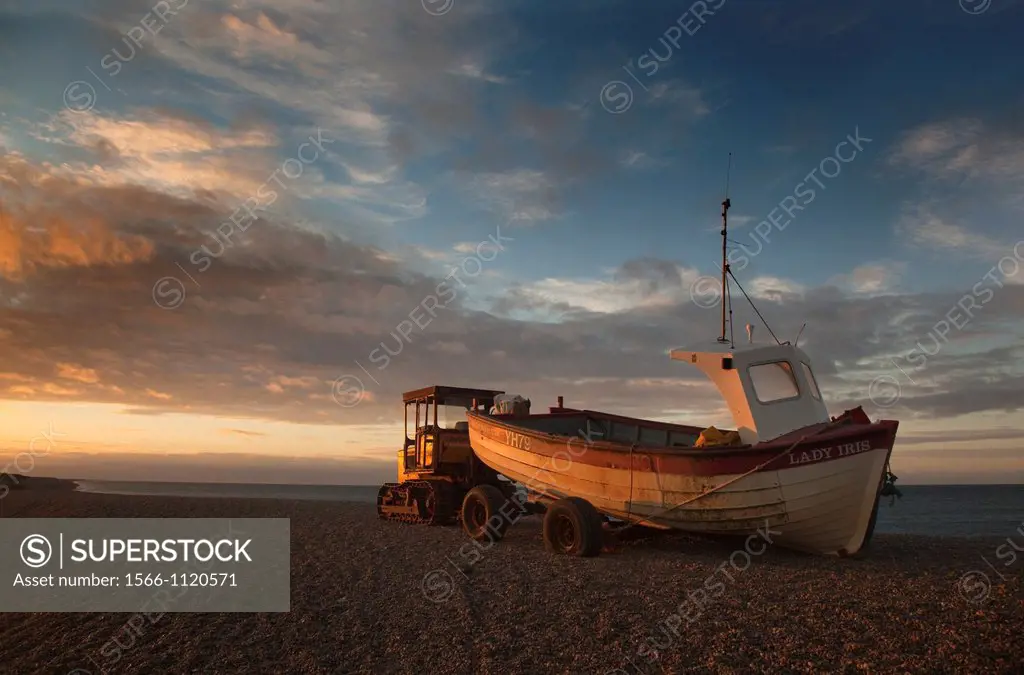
436,465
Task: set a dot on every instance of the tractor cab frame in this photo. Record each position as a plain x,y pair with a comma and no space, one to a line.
437,468
435,445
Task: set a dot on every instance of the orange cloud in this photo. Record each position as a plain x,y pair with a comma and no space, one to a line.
164,152
242,432
69,371
57,390
52,241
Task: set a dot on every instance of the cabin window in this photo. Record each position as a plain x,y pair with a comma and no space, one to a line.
623,432
773,381
810,378
680,438
653,437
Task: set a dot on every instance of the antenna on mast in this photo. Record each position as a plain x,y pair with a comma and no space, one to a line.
725,252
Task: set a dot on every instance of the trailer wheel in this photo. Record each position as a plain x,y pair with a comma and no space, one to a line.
572,526
481,516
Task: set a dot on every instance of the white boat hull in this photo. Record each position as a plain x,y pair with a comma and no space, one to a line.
823,507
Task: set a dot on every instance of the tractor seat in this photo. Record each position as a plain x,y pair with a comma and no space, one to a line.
462,426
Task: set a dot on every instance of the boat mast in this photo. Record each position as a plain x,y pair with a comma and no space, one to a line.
726,273
725,252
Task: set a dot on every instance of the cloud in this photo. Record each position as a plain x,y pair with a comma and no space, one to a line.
687,101
369,176
310,307
331,300
69,371
154,133
775,289
971,189
163,152
961,149
36,236
923,227
242,432
639,283
268,40
522,196
476,71
638,160
394,88
878,278
939,146
227,48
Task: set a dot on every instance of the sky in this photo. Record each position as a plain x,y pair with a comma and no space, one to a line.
233,233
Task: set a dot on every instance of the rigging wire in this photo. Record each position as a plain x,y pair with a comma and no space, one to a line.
738,285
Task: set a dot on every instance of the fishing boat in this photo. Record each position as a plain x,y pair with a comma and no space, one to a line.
811,481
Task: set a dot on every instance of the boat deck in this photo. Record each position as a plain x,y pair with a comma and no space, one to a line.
594,426
598,426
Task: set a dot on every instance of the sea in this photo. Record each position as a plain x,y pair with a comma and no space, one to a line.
935,510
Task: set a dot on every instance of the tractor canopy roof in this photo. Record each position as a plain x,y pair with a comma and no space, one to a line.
441,394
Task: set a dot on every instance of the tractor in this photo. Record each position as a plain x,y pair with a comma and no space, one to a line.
437,469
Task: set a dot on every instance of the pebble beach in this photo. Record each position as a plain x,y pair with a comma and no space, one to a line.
369,596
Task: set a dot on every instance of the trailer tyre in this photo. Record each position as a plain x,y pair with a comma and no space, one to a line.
481,514
572,526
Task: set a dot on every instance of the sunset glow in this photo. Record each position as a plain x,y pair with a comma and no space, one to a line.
228,247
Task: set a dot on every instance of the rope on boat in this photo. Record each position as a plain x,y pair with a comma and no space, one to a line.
889,488
629,504
717,487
